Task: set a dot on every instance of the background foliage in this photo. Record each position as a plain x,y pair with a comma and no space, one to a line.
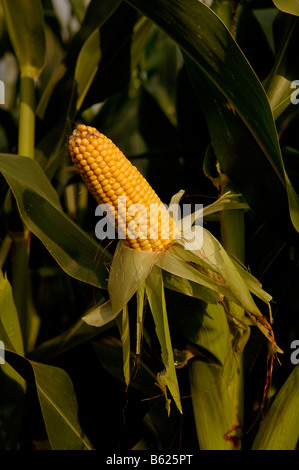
195,98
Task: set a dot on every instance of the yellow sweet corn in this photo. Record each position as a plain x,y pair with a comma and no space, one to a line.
113,180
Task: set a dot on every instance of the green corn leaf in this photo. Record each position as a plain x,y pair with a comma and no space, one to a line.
124,328
40,210
201,324
79,8
13,386
217,424
202,35
9,316
91,53
190,288
55,393
139,322
240,158
77,334
87,65
57,400
158,430
288,6
280,428
96,15
110,352
25,24
59,407
155,294
285,70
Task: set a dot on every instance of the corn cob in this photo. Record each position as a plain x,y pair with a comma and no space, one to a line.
111,178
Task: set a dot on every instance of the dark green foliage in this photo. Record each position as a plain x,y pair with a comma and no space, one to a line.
195,103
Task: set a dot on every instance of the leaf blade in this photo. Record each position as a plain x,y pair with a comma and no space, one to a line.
72,248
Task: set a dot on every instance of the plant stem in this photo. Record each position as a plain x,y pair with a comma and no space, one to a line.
233,240
27,117
20,276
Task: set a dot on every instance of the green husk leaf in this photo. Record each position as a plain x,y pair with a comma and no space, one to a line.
140,307
175,261
280,428
190,288
100,315
123,325
167,377
129,269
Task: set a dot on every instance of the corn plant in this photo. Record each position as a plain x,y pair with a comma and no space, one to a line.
110,343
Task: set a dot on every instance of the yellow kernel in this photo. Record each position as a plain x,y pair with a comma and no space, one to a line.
106,187
94,142
119,191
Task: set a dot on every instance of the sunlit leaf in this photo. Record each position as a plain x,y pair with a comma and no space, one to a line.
279,83
201,34
56,395
218,426
72,248
25,23
167,377
13,386
288,6
57,400
280,427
